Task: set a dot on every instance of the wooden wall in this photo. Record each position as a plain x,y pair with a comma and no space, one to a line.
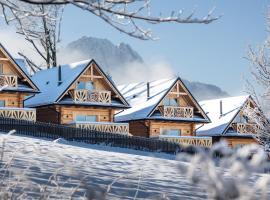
151,128
49,114
9,69
236,141
67,114
187,129
139,128
12,99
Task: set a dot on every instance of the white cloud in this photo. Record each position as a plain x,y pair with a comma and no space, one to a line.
136,72
15,43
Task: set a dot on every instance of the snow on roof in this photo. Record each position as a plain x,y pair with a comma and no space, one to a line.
22,64
141,106
230,108
47,81
136,95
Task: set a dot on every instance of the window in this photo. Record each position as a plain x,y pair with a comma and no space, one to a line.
2,103
170,102
171,132
86,85
1,68
86,118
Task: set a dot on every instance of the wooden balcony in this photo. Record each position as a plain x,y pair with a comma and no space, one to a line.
246,128
18,113
120,128
98,96
173,111
8,80
189,140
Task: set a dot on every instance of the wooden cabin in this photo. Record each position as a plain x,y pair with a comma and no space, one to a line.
79,94
163,108
15,86
228,120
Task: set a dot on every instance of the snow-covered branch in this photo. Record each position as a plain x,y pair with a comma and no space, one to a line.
124,15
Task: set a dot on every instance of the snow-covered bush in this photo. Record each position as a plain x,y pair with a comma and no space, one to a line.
238,174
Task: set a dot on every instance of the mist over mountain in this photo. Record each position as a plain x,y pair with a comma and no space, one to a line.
126,65
102,50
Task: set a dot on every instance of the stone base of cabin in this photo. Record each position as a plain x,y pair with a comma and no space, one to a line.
235,141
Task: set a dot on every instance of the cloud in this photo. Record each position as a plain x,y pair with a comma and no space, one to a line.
15,43
137,72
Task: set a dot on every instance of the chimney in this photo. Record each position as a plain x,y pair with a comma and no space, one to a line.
220,108
60,75
148,90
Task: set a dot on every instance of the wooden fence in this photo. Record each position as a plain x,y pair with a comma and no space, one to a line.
54,131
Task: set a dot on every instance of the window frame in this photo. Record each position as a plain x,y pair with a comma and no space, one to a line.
171,134
3,102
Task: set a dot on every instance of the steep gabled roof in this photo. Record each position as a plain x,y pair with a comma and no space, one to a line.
143,107
52,92
231,106
21,68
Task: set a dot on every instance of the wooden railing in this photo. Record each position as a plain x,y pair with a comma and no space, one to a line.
120,128
246,128
189,140
173,111
18,113
99,96
8,80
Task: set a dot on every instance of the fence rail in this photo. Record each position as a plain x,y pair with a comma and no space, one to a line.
54,131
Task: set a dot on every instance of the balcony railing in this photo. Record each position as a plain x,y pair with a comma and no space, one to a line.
120,128
18,113
98,96
246,128
173,111
8,80
189,140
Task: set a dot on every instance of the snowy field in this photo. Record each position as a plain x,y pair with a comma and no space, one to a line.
58,169
42,169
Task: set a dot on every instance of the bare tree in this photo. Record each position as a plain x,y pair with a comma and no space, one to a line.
124,15
42,32
259,88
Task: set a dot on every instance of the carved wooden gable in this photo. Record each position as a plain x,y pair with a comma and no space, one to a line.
93,85
179,102
11,73
244,122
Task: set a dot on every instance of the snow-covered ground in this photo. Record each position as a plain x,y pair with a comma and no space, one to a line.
58,169
43,169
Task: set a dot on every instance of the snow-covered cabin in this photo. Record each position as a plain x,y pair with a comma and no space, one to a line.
15,85
80,94
161,108
228,120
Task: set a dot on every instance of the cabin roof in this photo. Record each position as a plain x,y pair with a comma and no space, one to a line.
219,124
20,64
51,91
143,107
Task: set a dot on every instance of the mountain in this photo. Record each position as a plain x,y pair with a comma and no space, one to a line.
126,65
203,91
103,51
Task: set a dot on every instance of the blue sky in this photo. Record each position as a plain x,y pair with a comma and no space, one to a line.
208,53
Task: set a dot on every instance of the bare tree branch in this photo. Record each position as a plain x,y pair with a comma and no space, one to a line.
124,15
